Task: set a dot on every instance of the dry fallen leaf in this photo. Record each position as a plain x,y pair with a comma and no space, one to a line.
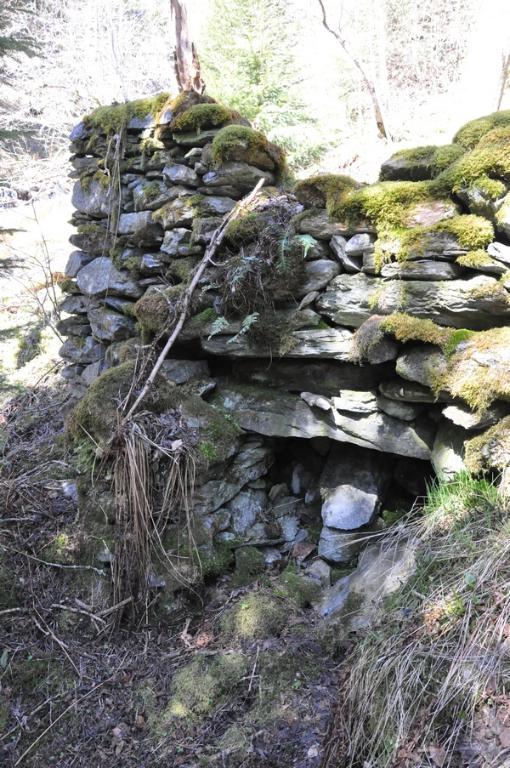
437,755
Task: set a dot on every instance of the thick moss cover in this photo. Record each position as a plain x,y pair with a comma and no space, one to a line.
486,166
202,116
471,133
325,190
242,144
96,414
112,119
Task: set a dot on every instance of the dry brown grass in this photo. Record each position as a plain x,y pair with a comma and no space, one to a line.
414,684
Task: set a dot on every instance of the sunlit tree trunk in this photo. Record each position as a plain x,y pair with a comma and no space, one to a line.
187,64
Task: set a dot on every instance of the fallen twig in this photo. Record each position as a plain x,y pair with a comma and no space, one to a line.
63,714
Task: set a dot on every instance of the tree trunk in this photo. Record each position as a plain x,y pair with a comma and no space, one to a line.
505,69
187,64
369,85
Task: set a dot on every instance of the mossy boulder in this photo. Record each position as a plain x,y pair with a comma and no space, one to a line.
238,143
420,163
111,119
325,190
471,133
485,167
96,415
202,686
158,308
490,451
204,116
475,365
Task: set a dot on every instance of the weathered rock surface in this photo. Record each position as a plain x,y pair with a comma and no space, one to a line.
448,451
425,365
108,325
76,261
82,351
94,199
478,303
352,485
101,276
275,414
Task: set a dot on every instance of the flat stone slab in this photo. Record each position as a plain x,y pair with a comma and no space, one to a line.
313,343
477,303
277,414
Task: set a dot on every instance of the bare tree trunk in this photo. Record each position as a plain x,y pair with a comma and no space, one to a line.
369,85
187,64
505,71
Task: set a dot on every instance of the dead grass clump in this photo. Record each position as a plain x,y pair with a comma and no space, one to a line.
415,683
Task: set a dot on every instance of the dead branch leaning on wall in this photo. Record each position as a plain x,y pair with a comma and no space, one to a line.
210,251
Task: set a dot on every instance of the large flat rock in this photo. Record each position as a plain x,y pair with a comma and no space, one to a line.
333,343
477,303
277,414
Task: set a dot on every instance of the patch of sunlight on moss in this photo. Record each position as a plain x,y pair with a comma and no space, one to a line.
243,144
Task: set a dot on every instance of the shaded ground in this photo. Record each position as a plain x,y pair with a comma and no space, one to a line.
235,676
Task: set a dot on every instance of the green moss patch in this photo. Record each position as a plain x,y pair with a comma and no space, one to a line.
156,309
97,412
478,369
471,133
491,450
249,564
407,328
112,119
475,259
203,116
325,190
242,144
202,686
257,616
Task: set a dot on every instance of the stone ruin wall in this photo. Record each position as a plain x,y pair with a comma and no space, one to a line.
341,415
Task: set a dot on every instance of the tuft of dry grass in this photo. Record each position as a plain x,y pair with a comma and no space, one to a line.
415,683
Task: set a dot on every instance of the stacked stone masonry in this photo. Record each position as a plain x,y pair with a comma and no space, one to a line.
383,350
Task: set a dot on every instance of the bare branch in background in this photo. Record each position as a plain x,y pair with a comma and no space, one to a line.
187,64
369,85
505,73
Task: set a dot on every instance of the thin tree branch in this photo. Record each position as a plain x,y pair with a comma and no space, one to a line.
210,251
369,85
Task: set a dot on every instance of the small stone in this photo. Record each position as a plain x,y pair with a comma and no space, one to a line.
339,546
352,484
399,410
76,261
180,174
318,274
424,365
464,417
500,252
82,351
448,451
108,325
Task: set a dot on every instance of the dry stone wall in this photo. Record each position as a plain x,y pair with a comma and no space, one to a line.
348,334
